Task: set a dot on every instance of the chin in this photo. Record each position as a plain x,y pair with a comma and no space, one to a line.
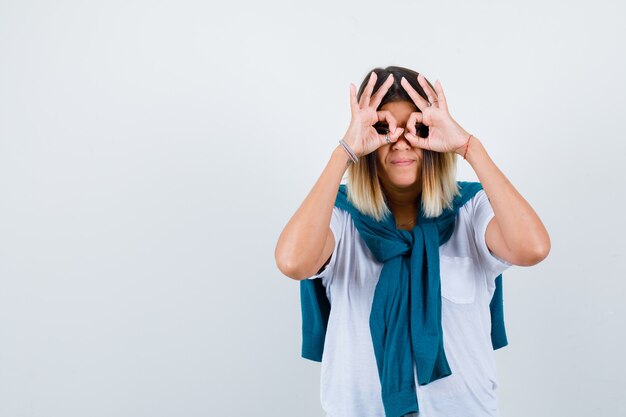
403,182
406,185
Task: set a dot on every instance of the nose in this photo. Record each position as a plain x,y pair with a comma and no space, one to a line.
401,144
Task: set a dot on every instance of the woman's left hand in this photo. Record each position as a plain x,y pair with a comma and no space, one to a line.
444,133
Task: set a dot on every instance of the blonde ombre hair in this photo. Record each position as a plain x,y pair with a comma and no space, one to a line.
439,185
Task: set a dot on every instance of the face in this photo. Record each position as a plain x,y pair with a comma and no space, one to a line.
399,175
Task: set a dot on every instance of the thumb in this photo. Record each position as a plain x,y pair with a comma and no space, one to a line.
418,141
395,135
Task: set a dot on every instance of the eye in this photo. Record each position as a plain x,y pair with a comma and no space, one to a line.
381,128
421,130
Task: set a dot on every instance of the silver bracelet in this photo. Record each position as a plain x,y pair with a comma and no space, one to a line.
350,152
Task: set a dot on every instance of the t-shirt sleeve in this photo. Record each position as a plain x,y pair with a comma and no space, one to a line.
482,215
336,226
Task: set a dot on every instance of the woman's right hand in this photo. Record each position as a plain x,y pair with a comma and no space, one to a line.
361,136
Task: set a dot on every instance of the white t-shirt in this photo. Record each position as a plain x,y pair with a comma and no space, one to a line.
349,383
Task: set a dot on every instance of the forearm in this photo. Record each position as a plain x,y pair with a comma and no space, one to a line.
521,228
302,240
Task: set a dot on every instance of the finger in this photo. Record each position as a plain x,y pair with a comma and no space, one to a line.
365,97
354,104
414,118
385,115
432,96
419,101
394,136
442,97
380,93
418,141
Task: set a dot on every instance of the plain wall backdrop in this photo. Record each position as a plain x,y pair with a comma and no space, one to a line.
152,151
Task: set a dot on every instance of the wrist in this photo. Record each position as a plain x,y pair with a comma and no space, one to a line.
472,149
340,154
351,154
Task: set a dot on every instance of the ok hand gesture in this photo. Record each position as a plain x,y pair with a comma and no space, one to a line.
444,133
361,136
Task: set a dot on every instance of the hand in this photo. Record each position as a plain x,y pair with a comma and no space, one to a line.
444,133
361,136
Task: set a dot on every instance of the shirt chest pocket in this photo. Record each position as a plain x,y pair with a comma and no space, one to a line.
458,281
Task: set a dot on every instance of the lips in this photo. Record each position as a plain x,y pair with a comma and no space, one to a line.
402,162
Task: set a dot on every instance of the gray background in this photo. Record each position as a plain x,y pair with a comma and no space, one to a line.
152,151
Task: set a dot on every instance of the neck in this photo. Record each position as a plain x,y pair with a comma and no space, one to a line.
403,202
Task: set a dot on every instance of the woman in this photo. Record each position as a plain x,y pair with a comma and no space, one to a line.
407,259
